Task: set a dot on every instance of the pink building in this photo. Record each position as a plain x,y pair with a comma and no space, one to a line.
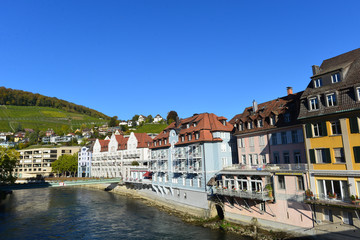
270,179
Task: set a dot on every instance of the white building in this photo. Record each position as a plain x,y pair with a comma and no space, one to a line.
157,119
113,157
84,162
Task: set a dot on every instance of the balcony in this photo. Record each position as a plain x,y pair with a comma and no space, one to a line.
194,169
269,167
261,195
179,169
337,201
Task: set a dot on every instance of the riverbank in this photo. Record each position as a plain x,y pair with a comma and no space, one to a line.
200,217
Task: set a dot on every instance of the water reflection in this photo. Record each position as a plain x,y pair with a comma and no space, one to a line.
76,213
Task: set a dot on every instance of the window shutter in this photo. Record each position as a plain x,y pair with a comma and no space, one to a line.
327,155
354,127
308,130
312,155
324,130
357,154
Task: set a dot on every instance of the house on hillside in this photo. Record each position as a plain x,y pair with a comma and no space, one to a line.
158,119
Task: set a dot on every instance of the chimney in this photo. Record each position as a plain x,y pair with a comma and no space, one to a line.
315,69
255,106
289,90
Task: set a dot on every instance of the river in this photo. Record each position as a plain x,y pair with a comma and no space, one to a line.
79,213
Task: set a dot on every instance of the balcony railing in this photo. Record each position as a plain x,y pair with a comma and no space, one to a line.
269,167
262,195
192,169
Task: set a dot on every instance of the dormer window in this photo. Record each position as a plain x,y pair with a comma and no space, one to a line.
182,138
189,137
250,125
155,143
272,120
165,141
194,124
224,122
260,123
314,103
335,78
287,117
357,93
317,83
188,125
197,135
331,99
159,142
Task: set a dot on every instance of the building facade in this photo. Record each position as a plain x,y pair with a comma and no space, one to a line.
114,156
84,162
330,111
187,154
33,162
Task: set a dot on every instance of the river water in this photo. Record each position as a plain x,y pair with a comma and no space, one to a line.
78,213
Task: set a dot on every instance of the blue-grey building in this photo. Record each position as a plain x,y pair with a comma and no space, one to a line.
187,154
84,162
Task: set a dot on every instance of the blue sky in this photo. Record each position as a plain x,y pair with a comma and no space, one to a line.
148,57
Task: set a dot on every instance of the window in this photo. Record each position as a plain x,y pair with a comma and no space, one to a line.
241,126
314,103
323,155
165,141
241,143
261,140
194,124
243,159
297,157
191,182
300,183
281,182
357,93
272,120
188,125
356,151
335,128
276,158
328,216
319,129
197,135
287,117
262,159
331,99
294,136
286,157
189,137
199,182
224,161
251,141
182,138
250,159
334,187
283,138
274,139
250,125
317,83
335,78
347,218
256,159
339,155
260,123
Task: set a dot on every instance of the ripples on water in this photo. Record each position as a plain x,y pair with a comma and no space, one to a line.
77,213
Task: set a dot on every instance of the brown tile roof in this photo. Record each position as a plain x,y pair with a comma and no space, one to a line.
104,145
144,140
278,107
204,124
349,65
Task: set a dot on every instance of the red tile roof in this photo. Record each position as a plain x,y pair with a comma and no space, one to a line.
203,124
104,145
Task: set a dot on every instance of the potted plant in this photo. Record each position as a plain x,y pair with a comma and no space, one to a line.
269,188
353,199
309,194
332,195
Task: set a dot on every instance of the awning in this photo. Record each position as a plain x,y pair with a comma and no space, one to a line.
147,174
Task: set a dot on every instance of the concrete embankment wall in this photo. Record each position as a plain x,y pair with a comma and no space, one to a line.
151,198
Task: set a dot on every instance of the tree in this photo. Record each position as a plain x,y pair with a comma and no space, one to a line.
8,160
149,119
171,117
66,164
113,121
34,137
19,128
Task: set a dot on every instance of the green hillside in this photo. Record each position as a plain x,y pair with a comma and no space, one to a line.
42,118
151,128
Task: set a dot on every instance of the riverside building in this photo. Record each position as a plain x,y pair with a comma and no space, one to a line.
115,156
270,179
37,161
330,112
187,154
84,162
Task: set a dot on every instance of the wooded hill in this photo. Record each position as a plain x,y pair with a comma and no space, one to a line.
14,97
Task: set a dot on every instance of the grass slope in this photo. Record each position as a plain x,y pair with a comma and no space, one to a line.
42,118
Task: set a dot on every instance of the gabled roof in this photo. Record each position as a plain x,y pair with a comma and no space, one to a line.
144,140
104,145
203,124
349,66
288,104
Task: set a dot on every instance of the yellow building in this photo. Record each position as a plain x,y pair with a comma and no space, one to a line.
330,111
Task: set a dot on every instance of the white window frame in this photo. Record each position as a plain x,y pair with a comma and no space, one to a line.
316,127
314,105
335,78
317,83
260,123
339,155
335,125
243,159
331,99
241,143
357,93
261,140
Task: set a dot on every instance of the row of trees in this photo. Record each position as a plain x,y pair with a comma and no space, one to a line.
66,165
8,159
10,96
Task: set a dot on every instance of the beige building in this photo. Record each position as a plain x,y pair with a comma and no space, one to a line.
37,161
